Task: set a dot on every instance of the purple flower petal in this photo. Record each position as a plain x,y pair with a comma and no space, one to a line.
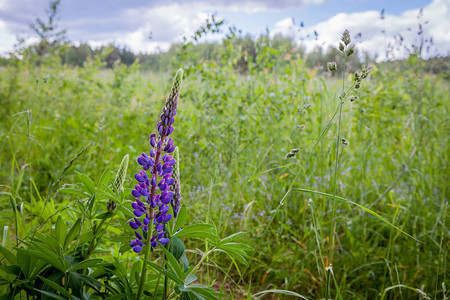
139,178
141,161
134,225
164,241
138,212
138,222
153,140
172,148
137,249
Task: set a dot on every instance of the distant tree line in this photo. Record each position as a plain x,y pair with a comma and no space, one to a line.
265,51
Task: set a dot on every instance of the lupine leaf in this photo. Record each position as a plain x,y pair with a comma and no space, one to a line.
232,237
60,230
88,184
135,269
177,247
185,262
161,270
239,256
181,218
190,279
75,284
104,215
52,295
205,292
104,179
198,296
8,255
237,246
183,288
56,286
85,264
199,231
52,259
23,260
73,232
9,273
173,263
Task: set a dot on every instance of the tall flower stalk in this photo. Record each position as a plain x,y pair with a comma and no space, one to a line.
152,193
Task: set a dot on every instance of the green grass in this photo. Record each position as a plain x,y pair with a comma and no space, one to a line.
233,132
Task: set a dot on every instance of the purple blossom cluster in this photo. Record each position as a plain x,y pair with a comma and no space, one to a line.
152,192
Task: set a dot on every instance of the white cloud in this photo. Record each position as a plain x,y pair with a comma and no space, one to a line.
370,25
7,40
165,24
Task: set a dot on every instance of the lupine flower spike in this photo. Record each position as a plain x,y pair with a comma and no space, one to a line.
153,192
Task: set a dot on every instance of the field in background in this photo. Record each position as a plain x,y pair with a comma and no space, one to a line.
233,130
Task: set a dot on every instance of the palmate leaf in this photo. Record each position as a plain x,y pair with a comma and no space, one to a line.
161,270
232,238
57,287
236,247
185,262
190,278
74,191
85,264
9,273
104,179
181,218
199,231
173,263
24,261
205,292
88,184
237,255
10,257
60,230
73,232
50,294
196,291
237,251
177,247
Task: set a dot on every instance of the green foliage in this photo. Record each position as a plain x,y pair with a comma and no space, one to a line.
245,104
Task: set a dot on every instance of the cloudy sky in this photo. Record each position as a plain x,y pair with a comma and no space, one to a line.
130,23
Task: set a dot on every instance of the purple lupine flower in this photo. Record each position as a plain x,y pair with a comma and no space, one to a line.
155,180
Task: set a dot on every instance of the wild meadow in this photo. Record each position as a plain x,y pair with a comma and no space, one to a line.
289,181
